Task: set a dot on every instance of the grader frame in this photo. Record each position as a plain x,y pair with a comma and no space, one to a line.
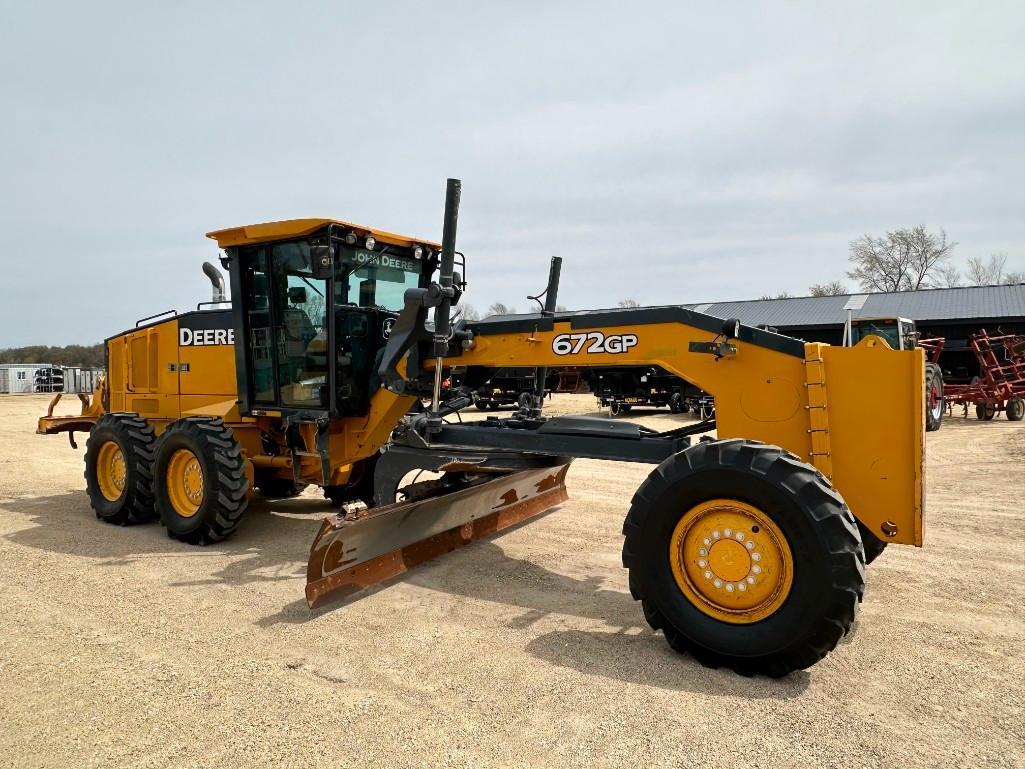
746,550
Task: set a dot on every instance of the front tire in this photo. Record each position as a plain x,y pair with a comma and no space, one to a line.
118,469
779,529
199,480
872,545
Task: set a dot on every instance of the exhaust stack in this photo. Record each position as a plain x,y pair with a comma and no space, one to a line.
217,280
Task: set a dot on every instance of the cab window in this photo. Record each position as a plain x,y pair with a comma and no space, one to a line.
300,310
376,279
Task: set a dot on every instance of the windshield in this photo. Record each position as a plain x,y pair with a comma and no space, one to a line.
887,329
374,278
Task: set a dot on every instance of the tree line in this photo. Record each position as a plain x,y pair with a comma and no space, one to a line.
86,356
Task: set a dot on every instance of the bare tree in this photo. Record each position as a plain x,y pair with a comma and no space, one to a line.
629,303
780,295
901,260
561,308
469,312
988,272
832,288
948,276
1012,278
500,309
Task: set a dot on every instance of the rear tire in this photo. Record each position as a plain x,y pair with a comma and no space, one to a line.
119,469
933,397
826,567
1015,409
525,400
199,480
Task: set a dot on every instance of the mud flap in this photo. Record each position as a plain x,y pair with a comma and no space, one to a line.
351,554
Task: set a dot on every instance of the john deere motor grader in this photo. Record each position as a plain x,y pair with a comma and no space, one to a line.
747,550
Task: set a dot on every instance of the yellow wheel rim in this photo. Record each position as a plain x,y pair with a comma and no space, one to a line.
111,471
731,561
185,483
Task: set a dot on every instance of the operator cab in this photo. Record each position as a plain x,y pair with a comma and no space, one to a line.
314,301
899,333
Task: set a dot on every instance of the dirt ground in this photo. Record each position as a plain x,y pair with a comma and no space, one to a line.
122,648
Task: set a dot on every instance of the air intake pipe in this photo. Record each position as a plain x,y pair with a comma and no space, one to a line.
217,280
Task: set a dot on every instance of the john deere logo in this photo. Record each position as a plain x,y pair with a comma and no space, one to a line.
205,337
386,328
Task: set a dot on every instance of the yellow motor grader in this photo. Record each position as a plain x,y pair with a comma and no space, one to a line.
747,550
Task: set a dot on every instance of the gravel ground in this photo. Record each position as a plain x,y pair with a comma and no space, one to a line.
122,648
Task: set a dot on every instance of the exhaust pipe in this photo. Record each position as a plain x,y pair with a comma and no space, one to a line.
217,280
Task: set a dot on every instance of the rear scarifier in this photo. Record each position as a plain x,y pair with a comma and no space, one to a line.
222,500
129,440
828,561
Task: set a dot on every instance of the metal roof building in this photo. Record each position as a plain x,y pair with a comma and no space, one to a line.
974,306
952,313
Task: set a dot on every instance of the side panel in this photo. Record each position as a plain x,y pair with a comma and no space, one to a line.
142,371
875,399
206,358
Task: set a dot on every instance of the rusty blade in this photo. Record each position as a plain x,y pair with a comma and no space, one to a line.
350,555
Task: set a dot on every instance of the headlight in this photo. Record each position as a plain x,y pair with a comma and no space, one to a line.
350,238
418,252
370,242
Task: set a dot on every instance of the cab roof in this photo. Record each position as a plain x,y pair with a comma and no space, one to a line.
297,228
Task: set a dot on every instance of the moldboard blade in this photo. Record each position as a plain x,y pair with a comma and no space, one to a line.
350,555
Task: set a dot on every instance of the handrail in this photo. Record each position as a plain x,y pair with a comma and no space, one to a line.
140,321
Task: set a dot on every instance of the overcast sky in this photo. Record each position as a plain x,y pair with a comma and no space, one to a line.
669,152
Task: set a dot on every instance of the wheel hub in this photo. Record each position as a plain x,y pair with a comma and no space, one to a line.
731,561
111,471
185,482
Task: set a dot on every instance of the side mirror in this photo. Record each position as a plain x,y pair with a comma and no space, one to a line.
459,286
322,260
296,295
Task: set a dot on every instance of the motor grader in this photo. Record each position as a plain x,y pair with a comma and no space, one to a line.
746,550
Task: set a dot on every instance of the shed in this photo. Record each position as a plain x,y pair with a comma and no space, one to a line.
952,313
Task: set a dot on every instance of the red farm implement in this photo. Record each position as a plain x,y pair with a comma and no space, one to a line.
1000,385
